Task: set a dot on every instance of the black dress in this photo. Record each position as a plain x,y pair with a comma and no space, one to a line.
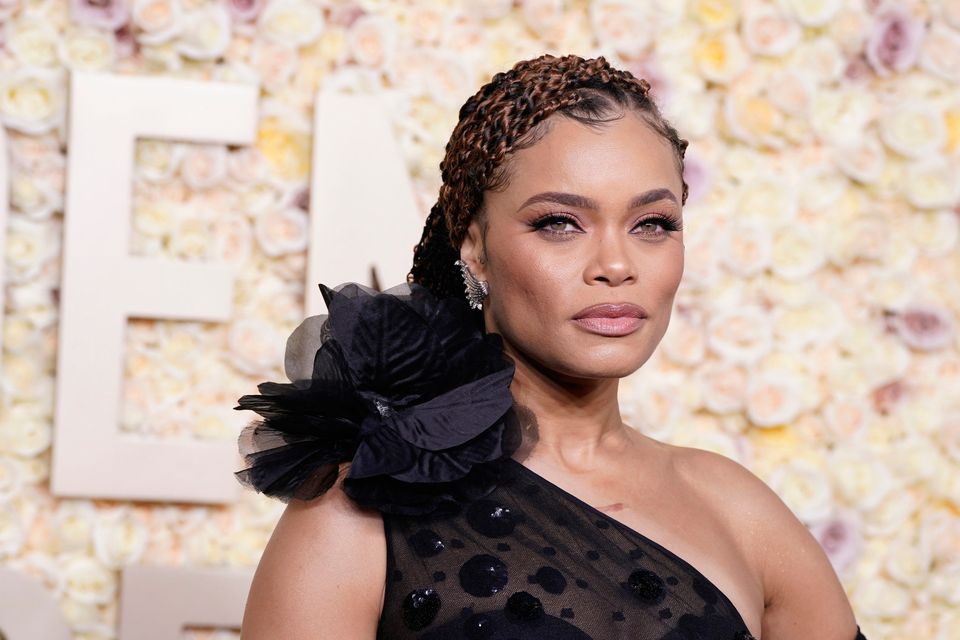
412,392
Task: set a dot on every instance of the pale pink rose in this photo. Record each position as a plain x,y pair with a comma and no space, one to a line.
895,41
244,10
858,70
282,231
126,45
105,14
840,538
924,327
887,396
661,88
345,15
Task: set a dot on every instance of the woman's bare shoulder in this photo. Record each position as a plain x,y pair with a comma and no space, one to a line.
803,595
322,574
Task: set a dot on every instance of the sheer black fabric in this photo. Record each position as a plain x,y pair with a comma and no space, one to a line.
532,561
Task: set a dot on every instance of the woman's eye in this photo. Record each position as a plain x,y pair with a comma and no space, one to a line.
556,224
648,225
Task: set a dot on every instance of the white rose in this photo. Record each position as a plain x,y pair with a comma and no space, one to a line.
448,83
941,52
864,161
26,433
206,32
722,386
255,346
796,89
30,245
155,217
742,334
282,231
204,165
846,417
87,49
653,412
931,183
34,198
626,27
206,546
862,479
891,514
849,29
796,252
32,100
935,232
768,198
158,21
812,13
372,41
839,117
914,129
32,40
881,597
745,247
157,160
72,524
119,539
767,32
296,22
88,581
820,58
772,398
542,16
803,325
684,342
715,14
274,63
804,488
192,240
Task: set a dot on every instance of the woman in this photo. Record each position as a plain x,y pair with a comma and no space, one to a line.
493,489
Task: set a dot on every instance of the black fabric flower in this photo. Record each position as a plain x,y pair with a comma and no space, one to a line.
404,386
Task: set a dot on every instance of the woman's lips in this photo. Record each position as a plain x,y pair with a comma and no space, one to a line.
610,319
614,327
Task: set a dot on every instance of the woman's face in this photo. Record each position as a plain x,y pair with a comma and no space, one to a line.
582,250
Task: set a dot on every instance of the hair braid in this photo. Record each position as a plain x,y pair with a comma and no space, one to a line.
501,118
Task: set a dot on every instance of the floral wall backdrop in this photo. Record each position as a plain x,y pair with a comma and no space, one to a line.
814,338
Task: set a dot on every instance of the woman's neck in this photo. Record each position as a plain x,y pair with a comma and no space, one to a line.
572,423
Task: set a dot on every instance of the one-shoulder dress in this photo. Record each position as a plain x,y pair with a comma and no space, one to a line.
410,390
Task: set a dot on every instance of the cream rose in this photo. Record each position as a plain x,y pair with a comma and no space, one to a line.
772,398
820,57
741,334
796,252
204,165
205,34
295,22
804,488
372,41
119,539
839,117
88,49
768,198
881,597
255,347
861,479
32,100
768,32
12,535
722,386
864,160
803,325
914,129
282,231
88,581
935,233
626,27
158,21
32,40
34,197
720,57
715,14
931,183
684,341
25,432
812,13
940,54
745,248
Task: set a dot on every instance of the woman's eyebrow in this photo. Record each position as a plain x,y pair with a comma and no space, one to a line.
583,202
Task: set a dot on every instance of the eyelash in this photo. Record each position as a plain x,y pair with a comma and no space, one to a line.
667,222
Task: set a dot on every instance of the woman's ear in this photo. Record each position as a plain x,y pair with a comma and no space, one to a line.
472,249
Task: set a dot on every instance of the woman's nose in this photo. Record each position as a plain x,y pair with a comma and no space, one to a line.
610,261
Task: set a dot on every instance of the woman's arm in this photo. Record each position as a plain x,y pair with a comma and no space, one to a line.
322,574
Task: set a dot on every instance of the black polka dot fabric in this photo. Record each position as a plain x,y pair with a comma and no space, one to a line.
531,561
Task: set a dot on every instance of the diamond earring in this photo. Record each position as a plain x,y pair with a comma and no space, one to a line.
476,290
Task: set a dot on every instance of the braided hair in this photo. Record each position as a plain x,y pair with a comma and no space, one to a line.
504,116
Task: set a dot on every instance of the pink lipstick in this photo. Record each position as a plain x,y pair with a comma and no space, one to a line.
610,319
